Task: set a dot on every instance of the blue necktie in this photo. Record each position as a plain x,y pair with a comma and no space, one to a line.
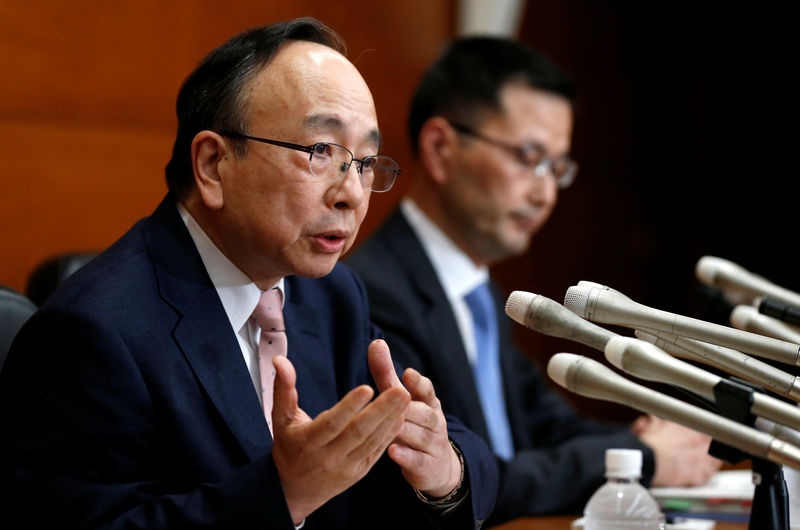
487,370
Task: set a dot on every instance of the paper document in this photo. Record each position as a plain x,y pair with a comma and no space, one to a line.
728,492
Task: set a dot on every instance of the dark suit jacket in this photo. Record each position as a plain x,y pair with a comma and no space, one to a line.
559,460
126,403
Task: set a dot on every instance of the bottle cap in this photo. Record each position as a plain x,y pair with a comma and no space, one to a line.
623,463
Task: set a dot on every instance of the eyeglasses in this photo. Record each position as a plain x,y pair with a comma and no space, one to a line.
332,161
533,155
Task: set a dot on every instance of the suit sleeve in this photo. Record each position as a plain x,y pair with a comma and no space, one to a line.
480,467
84,443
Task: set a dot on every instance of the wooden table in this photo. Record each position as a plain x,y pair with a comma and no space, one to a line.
562,522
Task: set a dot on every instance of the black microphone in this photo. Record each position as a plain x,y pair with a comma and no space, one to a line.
781,310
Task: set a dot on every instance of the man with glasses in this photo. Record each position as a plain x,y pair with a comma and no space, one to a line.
491,122
216,368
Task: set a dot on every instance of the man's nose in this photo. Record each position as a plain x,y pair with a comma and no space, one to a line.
348,192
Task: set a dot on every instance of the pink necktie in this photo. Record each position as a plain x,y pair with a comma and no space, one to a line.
269,316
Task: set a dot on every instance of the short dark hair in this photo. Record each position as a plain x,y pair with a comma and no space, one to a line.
467,77
211,97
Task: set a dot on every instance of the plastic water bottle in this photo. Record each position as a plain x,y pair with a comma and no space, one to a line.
622,503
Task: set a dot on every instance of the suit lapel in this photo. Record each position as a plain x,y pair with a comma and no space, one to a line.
441,332
311,357
203,333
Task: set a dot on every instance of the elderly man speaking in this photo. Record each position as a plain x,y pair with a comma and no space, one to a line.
215,367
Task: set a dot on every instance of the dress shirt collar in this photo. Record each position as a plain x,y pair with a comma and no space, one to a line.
457,273
239,295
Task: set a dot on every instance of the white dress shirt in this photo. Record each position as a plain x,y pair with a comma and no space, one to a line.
238,293
457,273
239,296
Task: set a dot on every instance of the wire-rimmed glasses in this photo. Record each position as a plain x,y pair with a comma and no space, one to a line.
563,168
330,160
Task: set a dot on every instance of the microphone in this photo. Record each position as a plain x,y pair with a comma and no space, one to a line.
748,318
646,361
728,276
544,315
777,309
547,316
590,378
585,283
604,306
781,431
728,360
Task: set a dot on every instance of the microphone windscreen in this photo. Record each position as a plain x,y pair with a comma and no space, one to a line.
517,305
576,299
559,365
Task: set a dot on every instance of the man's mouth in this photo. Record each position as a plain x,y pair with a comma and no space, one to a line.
333,235
330,241
527,218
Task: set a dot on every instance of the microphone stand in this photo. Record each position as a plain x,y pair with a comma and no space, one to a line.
770,508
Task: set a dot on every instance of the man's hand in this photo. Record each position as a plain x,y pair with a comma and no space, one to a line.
318,459
422,448
681,454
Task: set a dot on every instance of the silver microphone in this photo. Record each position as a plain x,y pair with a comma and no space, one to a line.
600,305
647,361
544,315
781,431
547,316
728,276
748,318
590,378
729,361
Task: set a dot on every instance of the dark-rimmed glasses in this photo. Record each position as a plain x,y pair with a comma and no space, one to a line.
332,161
533,155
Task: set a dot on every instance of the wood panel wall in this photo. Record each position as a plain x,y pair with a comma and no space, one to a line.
87,103
685,131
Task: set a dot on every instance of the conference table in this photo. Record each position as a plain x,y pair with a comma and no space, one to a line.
562,522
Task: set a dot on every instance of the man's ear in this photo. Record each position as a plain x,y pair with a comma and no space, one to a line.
437,145
210,156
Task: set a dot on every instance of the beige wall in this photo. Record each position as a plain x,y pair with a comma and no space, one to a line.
87,95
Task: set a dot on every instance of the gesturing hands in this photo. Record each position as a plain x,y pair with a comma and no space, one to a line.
318,459
422,448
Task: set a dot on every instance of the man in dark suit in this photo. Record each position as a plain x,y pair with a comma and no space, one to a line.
491,122
138,396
